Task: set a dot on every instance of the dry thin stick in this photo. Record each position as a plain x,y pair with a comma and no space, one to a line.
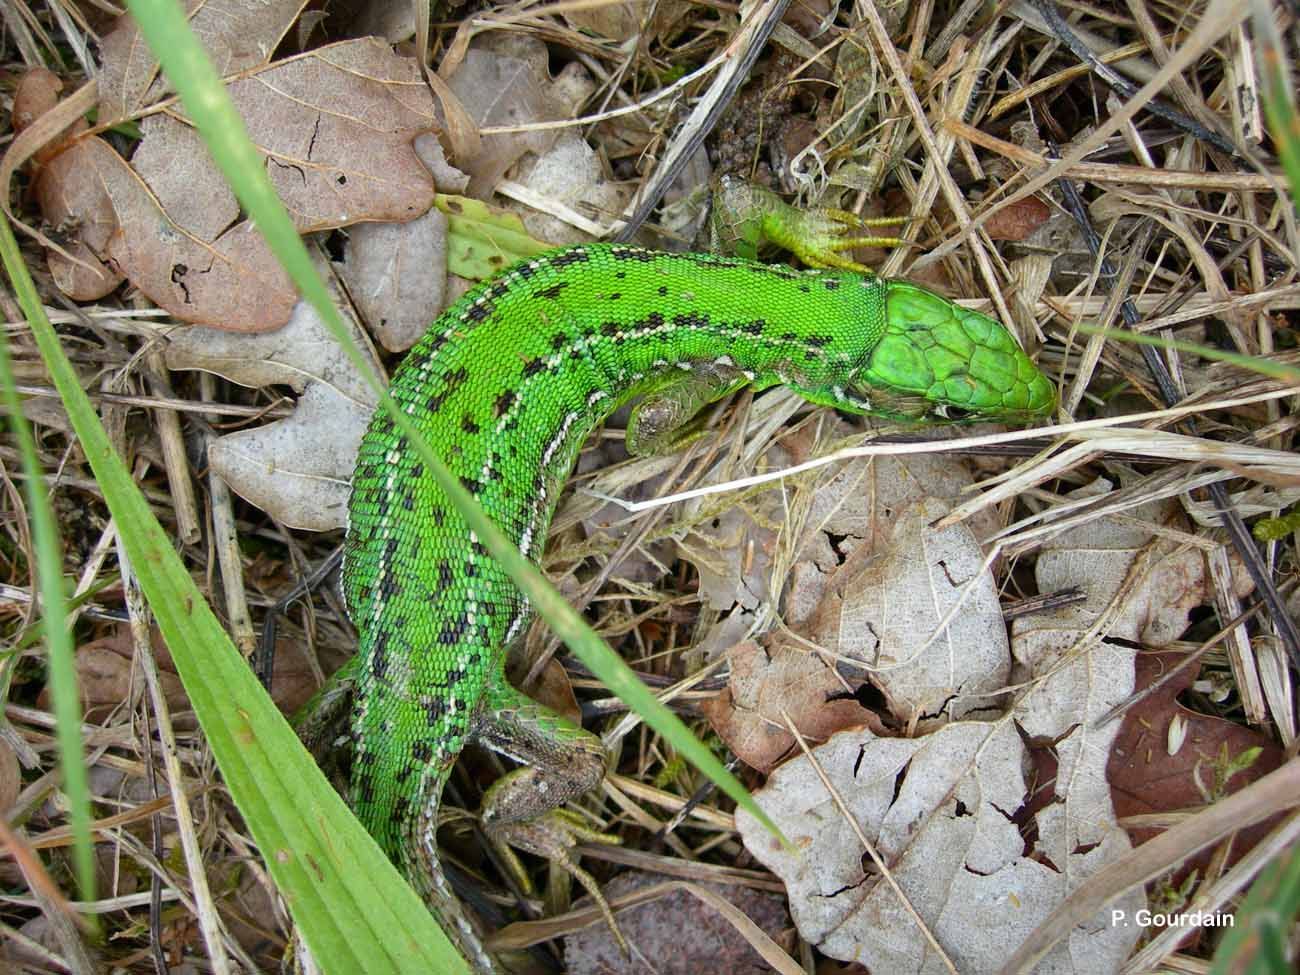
739,56
1284,460
938,169
205,907
225,539
174,460
1120,173
1219,18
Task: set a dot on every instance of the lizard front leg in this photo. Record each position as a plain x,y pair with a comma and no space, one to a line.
747,216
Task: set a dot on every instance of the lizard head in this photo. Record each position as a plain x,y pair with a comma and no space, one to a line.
938,359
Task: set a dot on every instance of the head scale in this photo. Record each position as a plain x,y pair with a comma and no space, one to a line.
939,359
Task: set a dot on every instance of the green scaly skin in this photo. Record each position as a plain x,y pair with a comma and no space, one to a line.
506,385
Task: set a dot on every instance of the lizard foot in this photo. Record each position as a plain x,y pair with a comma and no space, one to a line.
554,836
746,216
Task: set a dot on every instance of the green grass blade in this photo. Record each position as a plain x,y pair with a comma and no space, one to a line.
1256,943
1265,367
1278,95
355,911
54,622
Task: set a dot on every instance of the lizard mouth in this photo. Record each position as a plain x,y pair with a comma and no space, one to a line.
909,377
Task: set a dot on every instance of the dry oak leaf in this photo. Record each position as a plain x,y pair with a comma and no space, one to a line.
79,213
299,469
1151,608
505,80
1146,779
1077,660
236,35
336,126
234,280
856,512
176,166
765,688
922,618
939,810
38,92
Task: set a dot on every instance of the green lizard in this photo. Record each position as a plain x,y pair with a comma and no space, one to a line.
506,385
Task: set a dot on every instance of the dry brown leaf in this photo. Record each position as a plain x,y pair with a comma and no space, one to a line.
38,92
749,715
106,680
733,554
1019,220
1145,778
393,20
884,615
46,131
615,20
336,126
571,175
234,281
80,215
176,166
1151,609
237,35
857,511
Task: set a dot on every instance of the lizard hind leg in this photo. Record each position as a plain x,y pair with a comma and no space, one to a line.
522,809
